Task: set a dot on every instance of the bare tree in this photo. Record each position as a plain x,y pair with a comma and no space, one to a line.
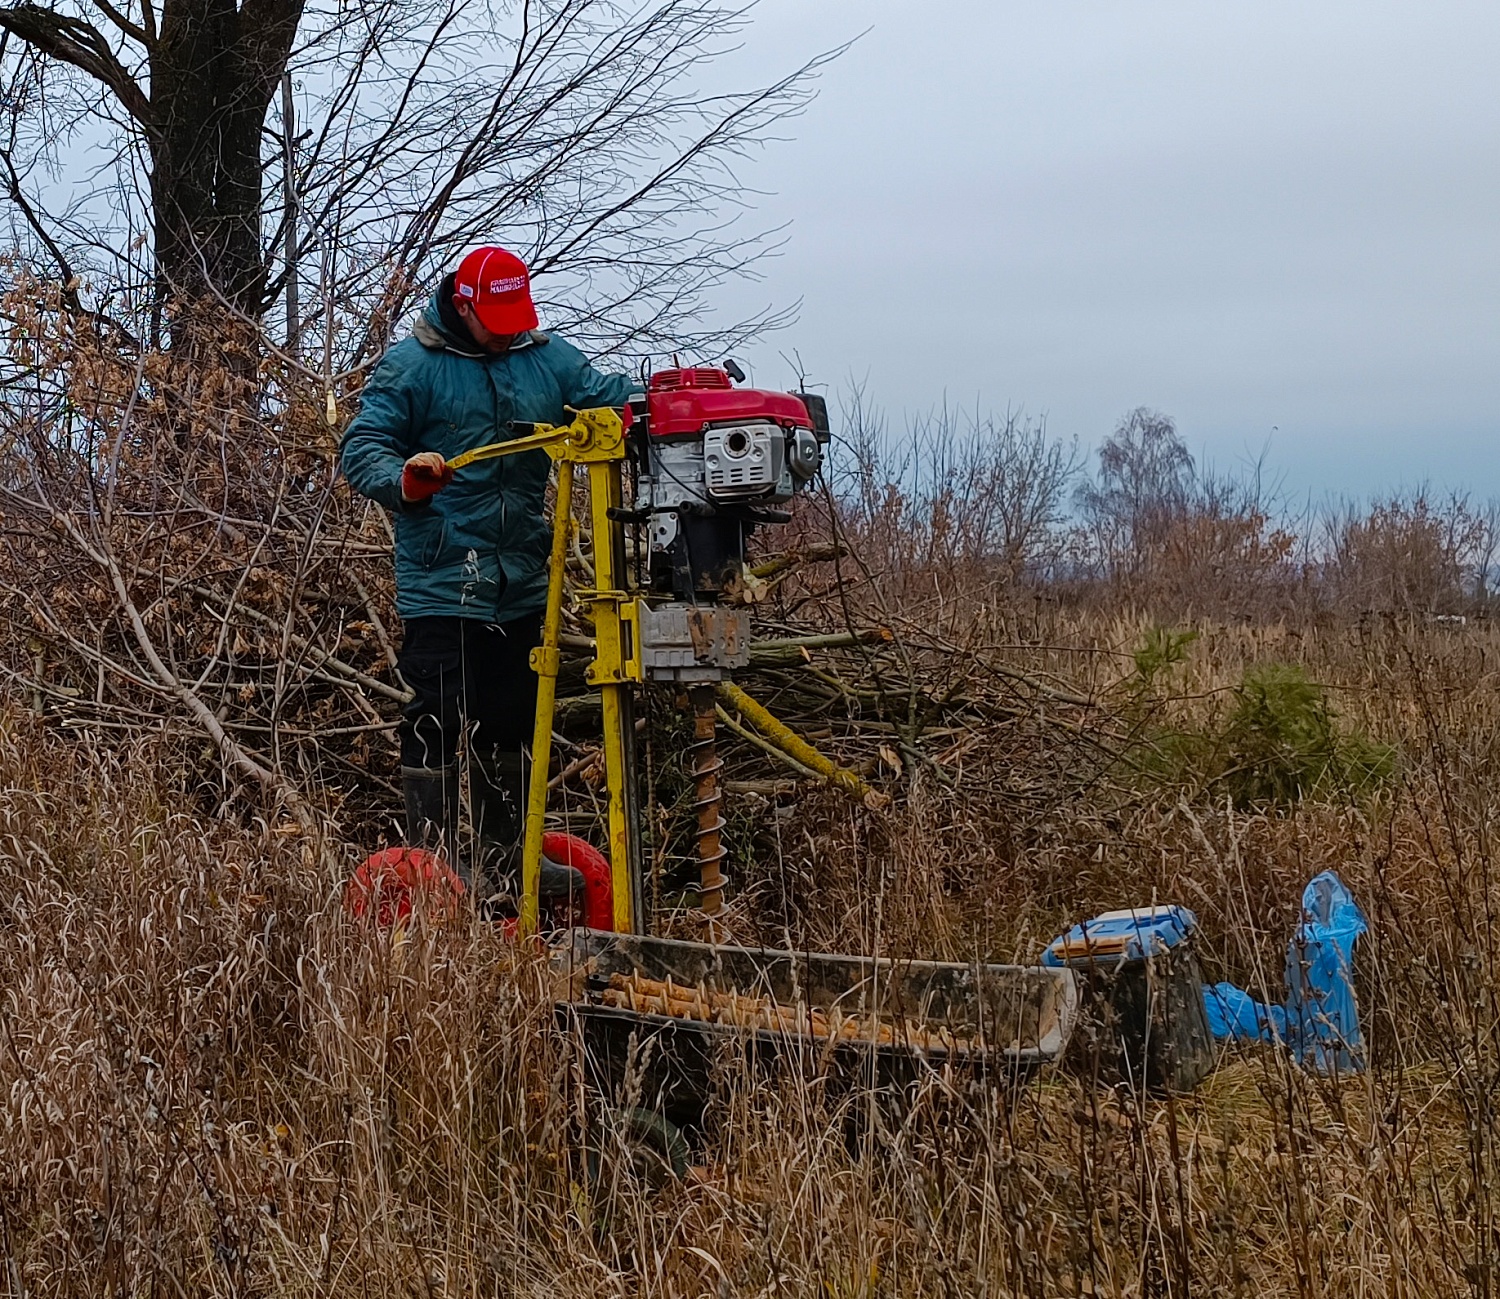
1144,484
1486,544
174,536
190,88
584,133
1407,554
977,497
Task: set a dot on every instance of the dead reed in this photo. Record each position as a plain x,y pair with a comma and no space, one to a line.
215,1083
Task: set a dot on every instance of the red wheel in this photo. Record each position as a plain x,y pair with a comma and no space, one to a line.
388,883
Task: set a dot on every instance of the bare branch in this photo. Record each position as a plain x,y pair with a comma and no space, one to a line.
34,221
133,30
76,42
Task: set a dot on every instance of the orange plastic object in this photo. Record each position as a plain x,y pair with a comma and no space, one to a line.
389,882
598,888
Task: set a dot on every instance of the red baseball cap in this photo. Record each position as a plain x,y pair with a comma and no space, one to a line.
495,283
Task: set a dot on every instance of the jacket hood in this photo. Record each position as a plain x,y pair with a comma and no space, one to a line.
431,334
440,327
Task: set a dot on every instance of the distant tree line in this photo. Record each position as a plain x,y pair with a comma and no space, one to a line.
965,498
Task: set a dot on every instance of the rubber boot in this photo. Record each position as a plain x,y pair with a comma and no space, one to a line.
432,812
497,782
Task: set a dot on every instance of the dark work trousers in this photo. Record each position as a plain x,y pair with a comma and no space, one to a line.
468,676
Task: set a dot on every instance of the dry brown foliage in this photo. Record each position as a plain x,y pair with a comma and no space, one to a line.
215,1083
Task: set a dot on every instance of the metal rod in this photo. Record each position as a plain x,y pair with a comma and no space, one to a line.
544,661
794,746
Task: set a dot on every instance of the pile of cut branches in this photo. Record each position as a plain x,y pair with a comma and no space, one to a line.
183,561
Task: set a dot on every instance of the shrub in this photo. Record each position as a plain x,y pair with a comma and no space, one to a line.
1281,743
1160,650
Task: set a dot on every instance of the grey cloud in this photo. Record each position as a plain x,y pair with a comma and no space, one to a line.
1250,216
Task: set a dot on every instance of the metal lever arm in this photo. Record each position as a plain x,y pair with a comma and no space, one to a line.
544,437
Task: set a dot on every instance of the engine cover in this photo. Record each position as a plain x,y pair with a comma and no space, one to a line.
683,403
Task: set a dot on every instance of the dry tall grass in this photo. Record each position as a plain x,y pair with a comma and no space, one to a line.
215,1083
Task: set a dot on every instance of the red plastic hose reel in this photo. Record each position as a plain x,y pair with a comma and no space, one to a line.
598,904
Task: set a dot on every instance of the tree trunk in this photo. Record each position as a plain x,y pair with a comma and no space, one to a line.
214,71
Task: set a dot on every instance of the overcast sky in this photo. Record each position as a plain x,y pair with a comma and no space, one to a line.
1255,217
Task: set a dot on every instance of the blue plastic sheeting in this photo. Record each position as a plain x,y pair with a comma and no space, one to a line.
1234,1013
1319,1022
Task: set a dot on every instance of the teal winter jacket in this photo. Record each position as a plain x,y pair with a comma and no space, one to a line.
479,548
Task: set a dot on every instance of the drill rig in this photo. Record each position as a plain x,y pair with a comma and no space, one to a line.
712,461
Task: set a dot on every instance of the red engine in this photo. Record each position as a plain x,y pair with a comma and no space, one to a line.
715,461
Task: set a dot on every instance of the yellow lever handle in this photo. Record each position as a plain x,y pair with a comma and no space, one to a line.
546,435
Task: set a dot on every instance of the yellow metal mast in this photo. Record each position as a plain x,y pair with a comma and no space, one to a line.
614,667
595,438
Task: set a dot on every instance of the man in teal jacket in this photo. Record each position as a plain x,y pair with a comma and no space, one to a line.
471,547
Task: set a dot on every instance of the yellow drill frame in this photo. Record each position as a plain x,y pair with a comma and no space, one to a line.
595,439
